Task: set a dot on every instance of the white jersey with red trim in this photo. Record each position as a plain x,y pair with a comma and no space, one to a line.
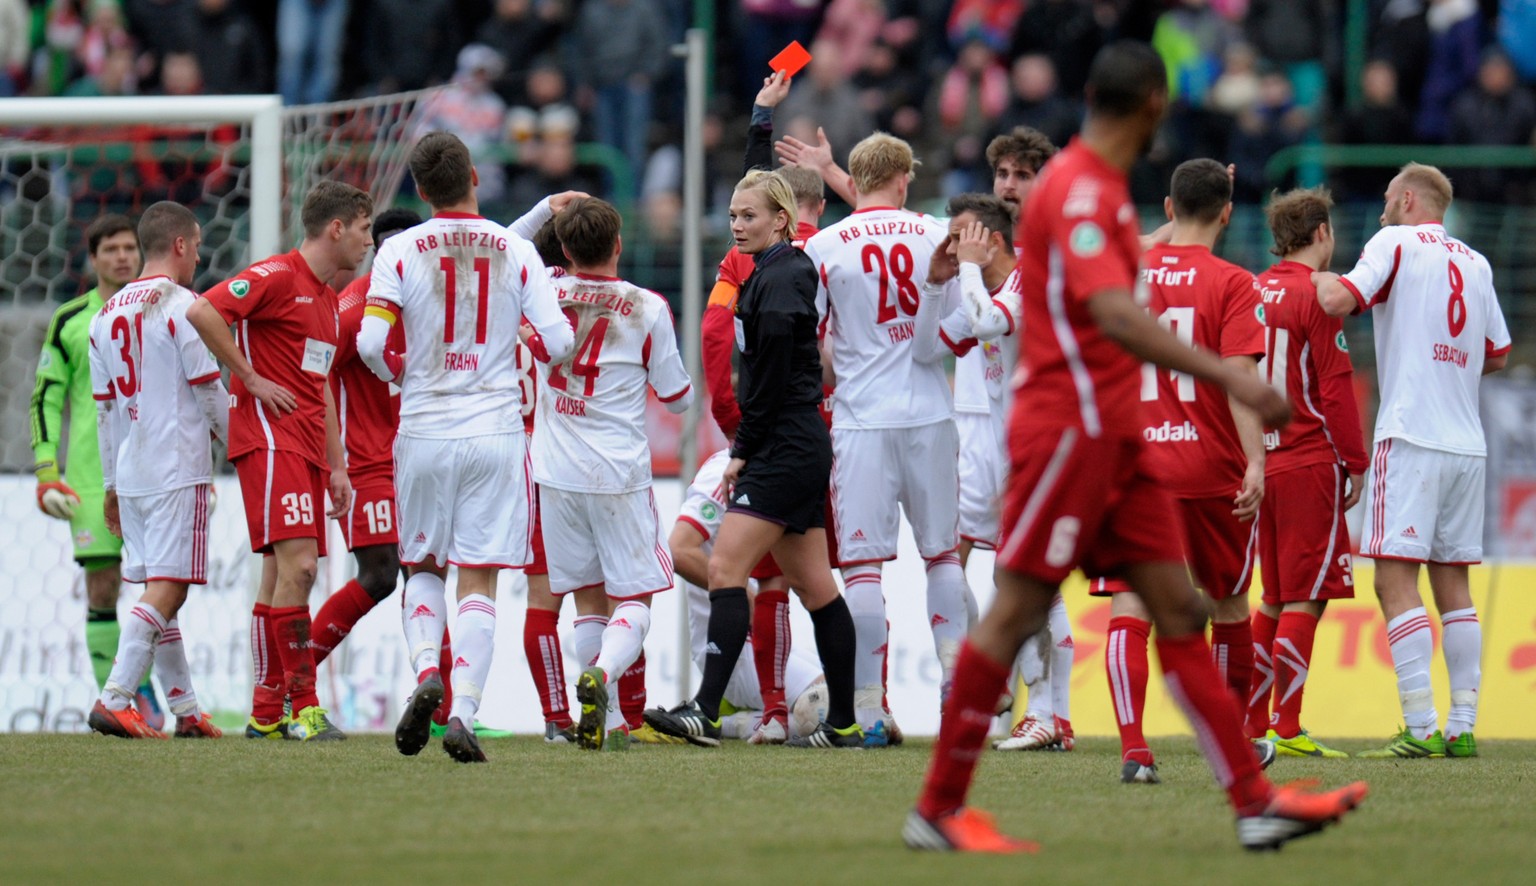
871,267
591,413
704,501
462,285
145,357
1437,319
984,326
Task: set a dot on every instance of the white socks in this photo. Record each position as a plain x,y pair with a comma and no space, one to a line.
587,637
948,614
424,616
174,673
1412,649
622,642
866,604
474,643
1062,653
1033,666
1461,642
141,632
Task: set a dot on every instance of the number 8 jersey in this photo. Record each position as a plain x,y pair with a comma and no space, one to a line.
871,267
462,285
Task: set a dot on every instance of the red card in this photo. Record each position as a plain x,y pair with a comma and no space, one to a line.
791,60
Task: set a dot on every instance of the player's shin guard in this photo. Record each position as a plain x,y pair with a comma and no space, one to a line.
1261,685
623,645
135,650
1292,661
730,620
1412,648
770,648
1461,642
979,682
866,606
631,685
474,646
175,673
1063,651
292,625
541,645
947,615
1214,714
267,690
1125,661
337,616
1232,650
834,631
424,617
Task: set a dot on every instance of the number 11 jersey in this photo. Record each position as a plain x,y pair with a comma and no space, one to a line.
462,285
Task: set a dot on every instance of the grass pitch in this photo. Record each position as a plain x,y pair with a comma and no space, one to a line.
94,809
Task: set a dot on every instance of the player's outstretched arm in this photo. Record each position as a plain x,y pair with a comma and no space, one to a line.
543,211
1120,318
1250,435
214,331
1334,297
794,152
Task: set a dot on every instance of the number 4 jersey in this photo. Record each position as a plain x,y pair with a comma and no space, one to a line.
1211,304
462,285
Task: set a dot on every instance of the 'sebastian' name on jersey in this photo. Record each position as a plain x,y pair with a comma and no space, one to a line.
883,228
461,238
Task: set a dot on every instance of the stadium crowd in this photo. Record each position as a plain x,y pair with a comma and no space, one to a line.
535,78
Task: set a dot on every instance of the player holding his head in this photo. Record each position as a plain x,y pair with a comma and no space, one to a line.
64,382
284,438
1424,498
892,414
592,460
1204,445
158,396
1312,474
460,285
1080,491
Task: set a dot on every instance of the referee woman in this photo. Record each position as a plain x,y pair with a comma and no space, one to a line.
781,462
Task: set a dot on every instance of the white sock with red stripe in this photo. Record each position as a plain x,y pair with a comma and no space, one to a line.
947,613
174,673
424,616
141,632
1461,642
1063,651
474,644
1033,665
866,604
622,642
587,635
1412,648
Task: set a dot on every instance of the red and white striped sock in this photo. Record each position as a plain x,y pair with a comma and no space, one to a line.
1292,661
267,690
541,645
948,616
174,673
1261,685
474,646
770,647
1413,646
1125,661
1232,649
141,633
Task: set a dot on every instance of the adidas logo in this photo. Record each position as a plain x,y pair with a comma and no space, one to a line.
421,611
421,536
1410,533
858,535
621,623
744,500
937,620
711,649
1066,644
176,692
881,650
460,661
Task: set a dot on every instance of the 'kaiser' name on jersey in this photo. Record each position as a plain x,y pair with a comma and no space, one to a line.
570,406
1168,432
461,238
883,228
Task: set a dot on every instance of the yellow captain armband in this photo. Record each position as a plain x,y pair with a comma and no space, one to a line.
388,315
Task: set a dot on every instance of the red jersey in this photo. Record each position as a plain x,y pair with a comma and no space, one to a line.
285,325
369,411
1080,238
1211,304
1305,354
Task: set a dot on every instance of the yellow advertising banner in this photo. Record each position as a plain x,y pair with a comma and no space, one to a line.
1351,691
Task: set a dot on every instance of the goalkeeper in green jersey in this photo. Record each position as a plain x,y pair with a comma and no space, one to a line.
75,493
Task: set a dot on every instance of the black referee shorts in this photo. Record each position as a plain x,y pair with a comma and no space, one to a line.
786,481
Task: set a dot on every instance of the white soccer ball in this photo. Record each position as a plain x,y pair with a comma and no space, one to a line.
809,709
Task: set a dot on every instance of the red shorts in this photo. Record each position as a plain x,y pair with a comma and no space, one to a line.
1074,500
1218,547
766,568
284,497
537,565
1107,587
1303,541
372,518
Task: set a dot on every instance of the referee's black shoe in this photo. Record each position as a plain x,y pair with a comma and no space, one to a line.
686,721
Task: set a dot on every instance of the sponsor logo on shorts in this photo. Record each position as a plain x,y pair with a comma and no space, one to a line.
743,500
858,535
421,536
711,649
1410,532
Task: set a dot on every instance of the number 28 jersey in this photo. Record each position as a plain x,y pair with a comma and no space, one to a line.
462,285
871,267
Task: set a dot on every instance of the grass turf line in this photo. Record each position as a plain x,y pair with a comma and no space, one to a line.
86,808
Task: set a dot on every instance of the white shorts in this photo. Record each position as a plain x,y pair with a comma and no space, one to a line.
466,502
744,691
165,535
609,539
874,470
1423,505
983,468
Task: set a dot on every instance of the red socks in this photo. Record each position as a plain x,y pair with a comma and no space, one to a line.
1262,683
336,617
632,693
1293,656
770,648
267,687
541,645
291,624
979,682
1232,648
1213,712
445,668
1125,660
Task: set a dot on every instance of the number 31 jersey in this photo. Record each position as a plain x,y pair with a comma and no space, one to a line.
462,285
871,267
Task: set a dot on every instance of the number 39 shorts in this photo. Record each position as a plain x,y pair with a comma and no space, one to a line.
284,496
